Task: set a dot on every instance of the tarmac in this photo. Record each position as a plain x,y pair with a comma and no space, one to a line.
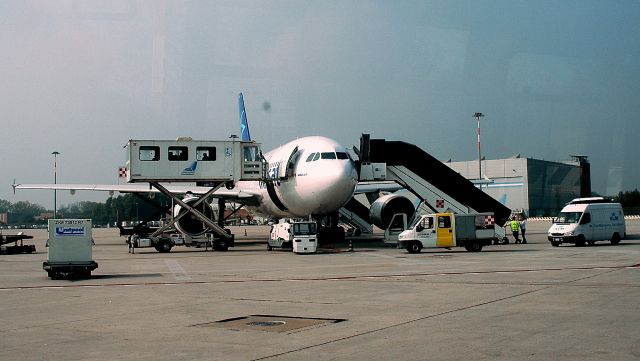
509,302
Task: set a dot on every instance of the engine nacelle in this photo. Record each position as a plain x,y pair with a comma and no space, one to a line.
190,224
383,209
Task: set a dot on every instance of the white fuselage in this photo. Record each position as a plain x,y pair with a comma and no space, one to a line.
311,176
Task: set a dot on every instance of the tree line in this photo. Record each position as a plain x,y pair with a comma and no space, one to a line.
128,207
630,201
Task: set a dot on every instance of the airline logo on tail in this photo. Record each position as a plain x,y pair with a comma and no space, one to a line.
191,170
244,126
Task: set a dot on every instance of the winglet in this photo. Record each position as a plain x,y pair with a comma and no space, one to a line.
244,126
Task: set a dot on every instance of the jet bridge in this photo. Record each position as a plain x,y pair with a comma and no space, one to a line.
439,188
205,163
186,160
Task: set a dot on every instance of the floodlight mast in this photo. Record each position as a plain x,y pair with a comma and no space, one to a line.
477,116
55,181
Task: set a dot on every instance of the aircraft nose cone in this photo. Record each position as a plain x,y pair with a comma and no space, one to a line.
340,183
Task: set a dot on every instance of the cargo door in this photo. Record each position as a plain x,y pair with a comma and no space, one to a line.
444,230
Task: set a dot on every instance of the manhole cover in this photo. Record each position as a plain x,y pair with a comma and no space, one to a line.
267,323
270,323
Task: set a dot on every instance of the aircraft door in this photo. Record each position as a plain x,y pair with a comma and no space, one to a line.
444,231
288,170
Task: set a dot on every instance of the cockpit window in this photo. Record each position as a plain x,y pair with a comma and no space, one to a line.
316,157
310,157
328,155
342,155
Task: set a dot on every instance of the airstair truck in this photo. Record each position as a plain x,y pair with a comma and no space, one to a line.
300,236
445,230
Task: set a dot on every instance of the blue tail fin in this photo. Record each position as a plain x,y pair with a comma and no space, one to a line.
244,126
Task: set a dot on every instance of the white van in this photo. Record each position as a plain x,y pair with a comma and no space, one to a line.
587,220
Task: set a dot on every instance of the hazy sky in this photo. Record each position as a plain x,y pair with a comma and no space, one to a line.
82,77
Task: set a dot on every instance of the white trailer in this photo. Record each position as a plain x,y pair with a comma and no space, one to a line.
300,236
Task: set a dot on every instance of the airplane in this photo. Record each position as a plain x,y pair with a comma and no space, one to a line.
320,177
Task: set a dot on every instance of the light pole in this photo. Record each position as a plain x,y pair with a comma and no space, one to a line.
477,116
55,181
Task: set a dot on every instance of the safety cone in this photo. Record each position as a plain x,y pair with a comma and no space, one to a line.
245,232
350,246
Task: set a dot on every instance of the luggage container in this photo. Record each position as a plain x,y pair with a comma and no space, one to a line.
70,248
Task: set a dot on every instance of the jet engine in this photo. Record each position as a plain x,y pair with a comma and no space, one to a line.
383,209
190,224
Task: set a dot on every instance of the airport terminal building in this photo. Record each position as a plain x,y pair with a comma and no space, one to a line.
539,187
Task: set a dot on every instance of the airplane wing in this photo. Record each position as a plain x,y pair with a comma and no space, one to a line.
380,186
244,197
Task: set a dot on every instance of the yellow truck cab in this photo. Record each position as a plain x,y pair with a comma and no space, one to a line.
445,230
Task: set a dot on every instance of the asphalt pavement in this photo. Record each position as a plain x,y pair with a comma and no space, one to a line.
509,302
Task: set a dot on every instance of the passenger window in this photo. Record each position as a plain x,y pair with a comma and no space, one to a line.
444,222
149,153
206,153
251,154
316,157
310,157
178,153
342,155
328,155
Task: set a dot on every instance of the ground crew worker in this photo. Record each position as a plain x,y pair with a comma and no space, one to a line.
515,229
523,229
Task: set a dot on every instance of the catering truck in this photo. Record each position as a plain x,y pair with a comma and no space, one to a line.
587,220
300,236
445,230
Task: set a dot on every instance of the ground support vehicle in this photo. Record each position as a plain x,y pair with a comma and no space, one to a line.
16,248
300,236
445,230
586,221
70,249
166,241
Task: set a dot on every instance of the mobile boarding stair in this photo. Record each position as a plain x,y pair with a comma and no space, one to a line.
440,188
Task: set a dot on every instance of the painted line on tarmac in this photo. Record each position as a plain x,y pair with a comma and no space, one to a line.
327,278
176,270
